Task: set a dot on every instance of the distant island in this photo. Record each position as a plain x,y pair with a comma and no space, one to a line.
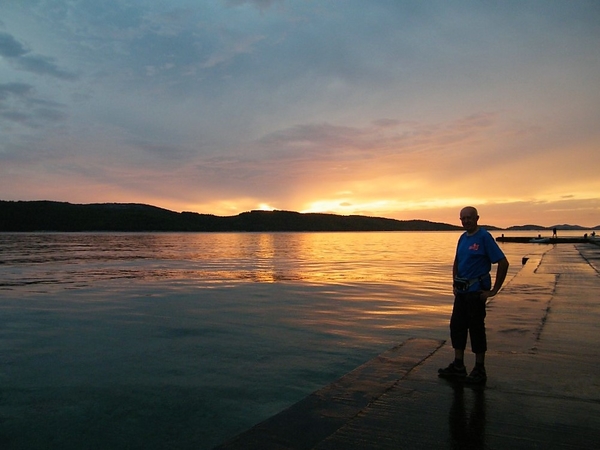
27,216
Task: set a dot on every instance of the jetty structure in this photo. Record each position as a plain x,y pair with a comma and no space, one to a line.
543,389
549,240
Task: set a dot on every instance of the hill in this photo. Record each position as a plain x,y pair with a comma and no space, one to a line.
60,216
526,228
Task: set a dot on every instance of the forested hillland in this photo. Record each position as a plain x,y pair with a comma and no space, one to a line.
68,217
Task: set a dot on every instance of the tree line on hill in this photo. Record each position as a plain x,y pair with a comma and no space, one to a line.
23,216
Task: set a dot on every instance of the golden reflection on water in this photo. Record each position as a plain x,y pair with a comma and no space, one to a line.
370,280
322,258
374,278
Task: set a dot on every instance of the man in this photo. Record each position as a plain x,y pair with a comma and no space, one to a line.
475,253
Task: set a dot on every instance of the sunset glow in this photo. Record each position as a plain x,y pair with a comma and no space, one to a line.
406,110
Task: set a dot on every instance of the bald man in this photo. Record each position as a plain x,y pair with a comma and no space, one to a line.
475,253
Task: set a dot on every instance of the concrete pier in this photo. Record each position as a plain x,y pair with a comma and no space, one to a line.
543,388
547,240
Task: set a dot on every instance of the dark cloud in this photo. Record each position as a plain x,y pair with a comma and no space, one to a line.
19,105
16,89
15,116
260,4
10,47
42,65
164,151
50,115
388,136
477,120
20,58
386,123
325,135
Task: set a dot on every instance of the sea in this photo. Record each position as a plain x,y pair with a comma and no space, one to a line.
183,340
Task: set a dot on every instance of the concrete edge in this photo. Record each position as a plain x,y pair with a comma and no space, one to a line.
322,413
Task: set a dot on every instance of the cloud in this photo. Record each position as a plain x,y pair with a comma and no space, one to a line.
19,57
10,47
321,137
15,89
20,105
162,150
386,123
322,160
42,65
233,49
260,4
388,138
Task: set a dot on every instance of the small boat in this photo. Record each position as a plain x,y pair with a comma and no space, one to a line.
539,240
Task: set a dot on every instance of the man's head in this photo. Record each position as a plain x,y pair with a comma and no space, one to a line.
469,218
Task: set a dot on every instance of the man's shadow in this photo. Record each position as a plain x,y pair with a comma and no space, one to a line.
467,418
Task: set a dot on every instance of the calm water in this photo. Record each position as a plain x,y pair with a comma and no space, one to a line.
184,340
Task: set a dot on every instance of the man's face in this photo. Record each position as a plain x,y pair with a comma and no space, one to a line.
469,218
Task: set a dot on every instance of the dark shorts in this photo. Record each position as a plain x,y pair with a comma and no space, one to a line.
468,318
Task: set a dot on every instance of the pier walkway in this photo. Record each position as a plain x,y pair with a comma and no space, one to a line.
543,388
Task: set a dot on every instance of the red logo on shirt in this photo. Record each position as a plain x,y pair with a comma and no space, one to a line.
475,246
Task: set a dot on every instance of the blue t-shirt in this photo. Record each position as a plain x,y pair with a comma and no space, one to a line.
475,255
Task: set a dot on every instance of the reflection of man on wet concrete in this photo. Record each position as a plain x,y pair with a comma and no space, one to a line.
467,429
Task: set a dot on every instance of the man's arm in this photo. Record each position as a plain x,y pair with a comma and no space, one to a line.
501,272
455,268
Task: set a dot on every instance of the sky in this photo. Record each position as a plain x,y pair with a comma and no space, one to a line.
388,108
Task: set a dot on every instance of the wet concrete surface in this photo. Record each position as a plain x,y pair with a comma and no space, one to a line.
543,387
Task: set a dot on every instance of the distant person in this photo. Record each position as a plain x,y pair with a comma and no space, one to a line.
554,232
476,251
